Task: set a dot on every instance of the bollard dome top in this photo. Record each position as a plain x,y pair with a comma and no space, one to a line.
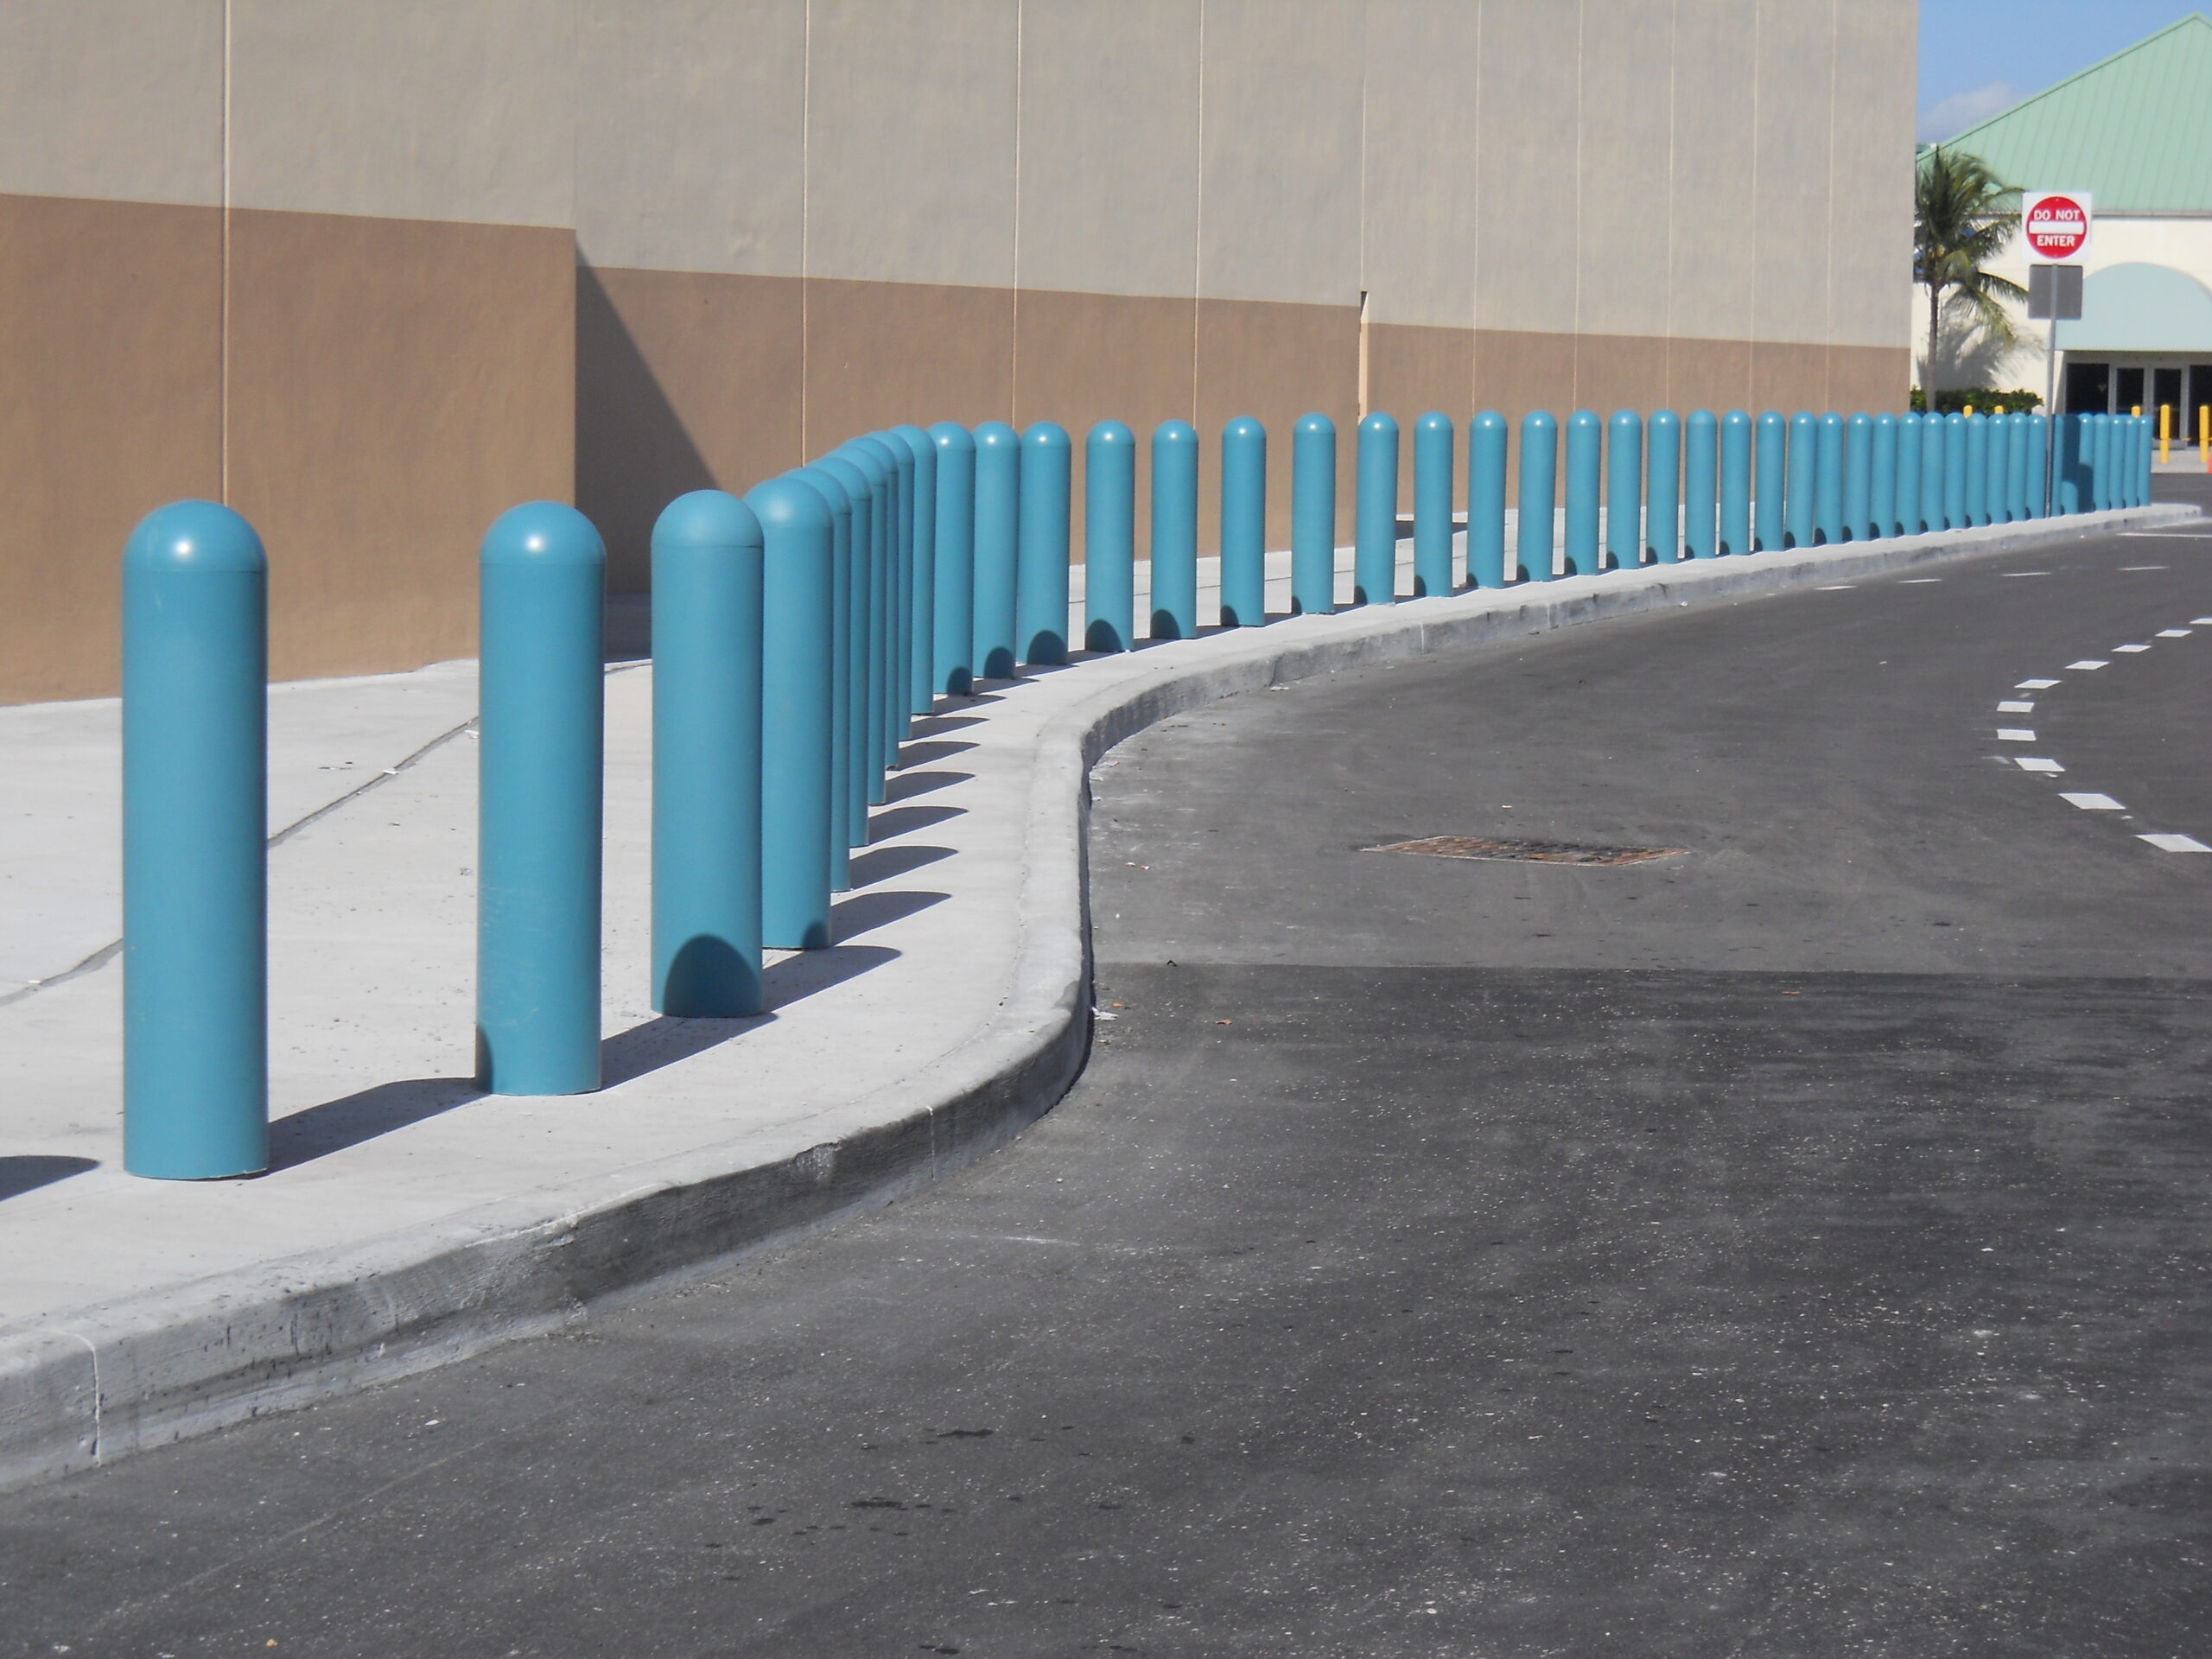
1112,432
1315,422
193,535
832,488
1175,432
543,533
951,435
1379,422
993,435
711,518
1048,435
1243,426
788,503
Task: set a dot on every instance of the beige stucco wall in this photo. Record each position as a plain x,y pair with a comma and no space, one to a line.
415,259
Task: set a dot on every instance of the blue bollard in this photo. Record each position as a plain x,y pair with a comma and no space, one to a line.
1243,523
998,541
1040,594
1977,476
899,595
2038,460
1935,465
838,499
1882,486
2102,430
195,861
1800,497
1955,473
952,628
1313,516
2146,453
1773,529
1736,482
1110,538
854,753
1624,490
1828,489
1175,530
1858,479
708,636
883,610
1908,489
1663,512
1432,446
2066,466
1586,437
1701,485
540,760
1538,493
1374,514
1486,437
921,604
875,459
2013,428
797,710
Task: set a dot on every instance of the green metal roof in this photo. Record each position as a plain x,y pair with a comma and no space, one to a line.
2135,130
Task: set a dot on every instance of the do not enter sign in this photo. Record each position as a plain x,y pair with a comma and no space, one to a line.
2056,226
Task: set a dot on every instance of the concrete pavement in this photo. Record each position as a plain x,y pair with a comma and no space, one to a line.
1437,1256
410,1220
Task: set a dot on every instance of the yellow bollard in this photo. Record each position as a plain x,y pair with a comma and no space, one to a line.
2166,440
1969,411
2204,433
2136,412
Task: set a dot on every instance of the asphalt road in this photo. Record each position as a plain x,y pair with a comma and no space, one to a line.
1795,1245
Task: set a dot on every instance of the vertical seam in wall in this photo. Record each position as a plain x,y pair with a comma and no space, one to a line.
1751,328
1674,46
806,230
1827,260
1581,38
1198,215
1475,286
1013,345
223,321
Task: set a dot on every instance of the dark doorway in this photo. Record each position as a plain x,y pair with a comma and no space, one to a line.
2127,389
2089,388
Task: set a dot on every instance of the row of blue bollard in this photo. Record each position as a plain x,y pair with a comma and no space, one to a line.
797,631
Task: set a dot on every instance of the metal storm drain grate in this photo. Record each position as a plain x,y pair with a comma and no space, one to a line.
1526,852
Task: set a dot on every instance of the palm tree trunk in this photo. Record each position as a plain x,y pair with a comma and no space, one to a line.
1935,316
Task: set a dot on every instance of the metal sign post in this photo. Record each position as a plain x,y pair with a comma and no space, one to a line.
2055,224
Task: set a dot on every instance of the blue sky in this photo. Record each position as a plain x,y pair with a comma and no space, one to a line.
1979,56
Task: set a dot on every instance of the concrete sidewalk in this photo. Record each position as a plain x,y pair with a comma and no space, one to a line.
409,1219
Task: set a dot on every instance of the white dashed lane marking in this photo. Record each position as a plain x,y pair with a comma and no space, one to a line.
1916,581
1837,588
2142,567
2087,801
2027,573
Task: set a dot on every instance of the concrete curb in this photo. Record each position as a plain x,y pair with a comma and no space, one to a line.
146,1370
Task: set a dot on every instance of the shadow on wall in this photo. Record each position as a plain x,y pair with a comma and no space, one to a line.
633,456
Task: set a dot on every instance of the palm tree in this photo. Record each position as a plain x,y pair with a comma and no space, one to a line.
1963,215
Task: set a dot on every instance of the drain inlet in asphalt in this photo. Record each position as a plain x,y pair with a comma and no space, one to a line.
1526,852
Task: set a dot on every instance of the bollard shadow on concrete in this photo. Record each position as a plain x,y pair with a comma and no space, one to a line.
318,1131
905,785
922,754
27,1172
863,912
879,864
887,822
